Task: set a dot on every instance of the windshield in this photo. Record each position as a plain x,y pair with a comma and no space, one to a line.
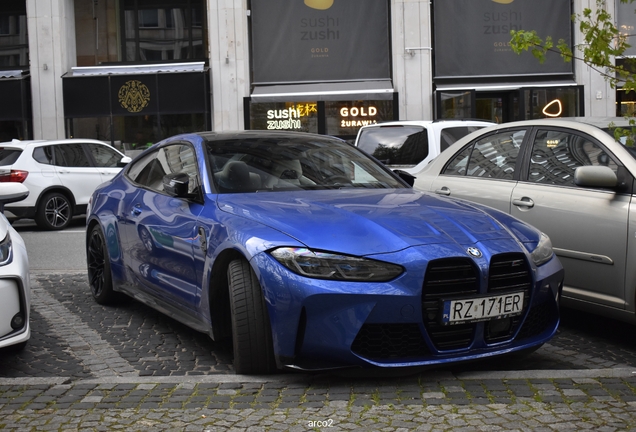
281,163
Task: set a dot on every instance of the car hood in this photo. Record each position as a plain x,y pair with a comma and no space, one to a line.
366,222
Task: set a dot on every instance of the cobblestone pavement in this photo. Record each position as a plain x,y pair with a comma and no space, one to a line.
89,367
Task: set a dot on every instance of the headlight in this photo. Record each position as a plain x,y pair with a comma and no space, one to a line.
543,252
324,265
6,250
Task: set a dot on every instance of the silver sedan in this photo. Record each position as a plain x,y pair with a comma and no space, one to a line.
573,181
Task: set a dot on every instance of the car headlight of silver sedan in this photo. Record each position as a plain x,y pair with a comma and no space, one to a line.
326,265
6,251
543,252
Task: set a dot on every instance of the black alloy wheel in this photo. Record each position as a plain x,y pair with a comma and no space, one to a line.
54,212
99,275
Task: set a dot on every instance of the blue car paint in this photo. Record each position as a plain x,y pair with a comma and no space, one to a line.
400,226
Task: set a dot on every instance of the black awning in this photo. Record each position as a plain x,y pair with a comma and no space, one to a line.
140,90
16,97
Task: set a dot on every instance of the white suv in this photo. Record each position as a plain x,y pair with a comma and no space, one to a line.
410,145
61,175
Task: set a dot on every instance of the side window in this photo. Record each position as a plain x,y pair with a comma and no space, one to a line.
103,155
492,157
557,154
457,165
449,135
71,155
149,171
44,155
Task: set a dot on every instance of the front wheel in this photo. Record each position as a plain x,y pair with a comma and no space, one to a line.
100,278
251,329
54,212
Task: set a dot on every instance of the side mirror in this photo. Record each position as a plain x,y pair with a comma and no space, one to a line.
12,192
124,161
407,177
595,176
176,184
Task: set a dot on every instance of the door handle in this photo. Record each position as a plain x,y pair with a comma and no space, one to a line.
443,191
523,202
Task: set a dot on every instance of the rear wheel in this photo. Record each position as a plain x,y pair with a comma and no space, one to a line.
54,212
251,328
100,278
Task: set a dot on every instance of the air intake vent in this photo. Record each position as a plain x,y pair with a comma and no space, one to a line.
389,341
446,278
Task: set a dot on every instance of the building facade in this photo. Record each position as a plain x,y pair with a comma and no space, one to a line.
132,72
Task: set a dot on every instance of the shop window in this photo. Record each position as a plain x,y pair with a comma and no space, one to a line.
133,133
552,102
345,118
163,30
14,40
455,105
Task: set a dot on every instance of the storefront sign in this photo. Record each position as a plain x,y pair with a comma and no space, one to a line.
289,118
320,40
472,38
134,96
357,116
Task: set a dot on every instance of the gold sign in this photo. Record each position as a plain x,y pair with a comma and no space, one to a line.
134,96
357,116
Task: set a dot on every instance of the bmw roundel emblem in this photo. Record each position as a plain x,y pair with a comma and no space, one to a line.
474,252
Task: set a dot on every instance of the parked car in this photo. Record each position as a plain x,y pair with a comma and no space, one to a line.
309,254
15,291
411,145
569,178
59,174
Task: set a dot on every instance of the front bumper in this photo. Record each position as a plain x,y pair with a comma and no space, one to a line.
15,298
322,324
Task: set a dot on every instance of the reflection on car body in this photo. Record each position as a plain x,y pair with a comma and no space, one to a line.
309,254
571,179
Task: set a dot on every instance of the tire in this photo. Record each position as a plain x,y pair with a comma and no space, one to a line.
100,278
54,212
251,329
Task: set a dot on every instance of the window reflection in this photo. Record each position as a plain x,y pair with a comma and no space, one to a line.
163,30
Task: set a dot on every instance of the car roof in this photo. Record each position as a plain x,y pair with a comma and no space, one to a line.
25,143
588,124
440,123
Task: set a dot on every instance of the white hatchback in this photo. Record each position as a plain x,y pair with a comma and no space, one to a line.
60,175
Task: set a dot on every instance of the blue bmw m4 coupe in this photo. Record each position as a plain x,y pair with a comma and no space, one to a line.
308,254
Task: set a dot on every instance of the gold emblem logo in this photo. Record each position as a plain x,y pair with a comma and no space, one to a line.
503,1
134,96
319,4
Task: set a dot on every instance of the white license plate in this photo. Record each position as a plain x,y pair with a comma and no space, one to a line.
482,308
